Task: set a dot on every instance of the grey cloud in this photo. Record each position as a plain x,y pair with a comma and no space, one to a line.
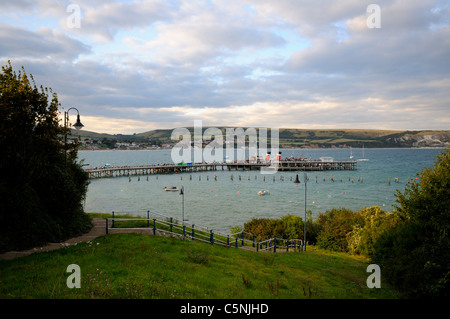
195,60
20,42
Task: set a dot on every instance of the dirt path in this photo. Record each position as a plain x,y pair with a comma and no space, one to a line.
97,230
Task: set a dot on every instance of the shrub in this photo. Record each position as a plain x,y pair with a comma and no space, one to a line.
42,187
415,254
336,226
373,222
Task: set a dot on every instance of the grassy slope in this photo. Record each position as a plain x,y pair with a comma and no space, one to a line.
142,266
289,137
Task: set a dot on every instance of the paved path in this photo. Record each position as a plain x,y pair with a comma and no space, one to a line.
99,229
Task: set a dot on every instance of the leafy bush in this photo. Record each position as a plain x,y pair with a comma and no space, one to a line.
41,186
415,254
336,226
373,222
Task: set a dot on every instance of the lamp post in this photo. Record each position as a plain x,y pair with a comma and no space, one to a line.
77,125
182,193
304,230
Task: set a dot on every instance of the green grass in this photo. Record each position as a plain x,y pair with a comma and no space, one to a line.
143,266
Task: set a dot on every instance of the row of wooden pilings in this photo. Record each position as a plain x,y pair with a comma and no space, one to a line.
360,179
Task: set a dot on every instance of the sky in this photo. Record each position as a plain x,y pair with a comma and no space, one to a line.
134,66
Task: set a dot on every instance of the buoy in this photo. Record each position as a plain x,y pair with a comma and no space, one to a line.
239,192
343,192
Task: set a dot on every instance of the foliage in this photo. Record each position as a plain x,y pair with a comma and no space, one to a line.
416,253
41,187
374,222
336,226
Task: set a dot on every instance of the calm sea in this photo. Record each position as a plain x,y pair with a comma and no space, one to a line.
222,203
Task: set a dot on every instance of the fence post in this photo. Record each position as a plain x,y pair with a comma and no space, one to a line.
287,245
184,231
275,245
211,237
106,226
193,231
253,241
242,238
236,243
257,247
148,220
154,226
171,224
112,220
228,240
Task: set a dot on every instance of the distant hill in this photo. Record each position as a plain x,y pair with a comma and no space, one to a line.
319,138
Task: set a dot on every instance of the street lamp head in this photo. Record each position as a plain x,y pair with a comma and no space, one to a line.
78,124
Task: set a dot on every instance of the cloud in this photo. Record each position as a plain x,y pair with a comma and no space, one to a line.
284,63
41,44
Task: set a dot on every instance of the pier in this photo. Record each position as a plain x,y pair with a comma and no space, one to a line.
152,169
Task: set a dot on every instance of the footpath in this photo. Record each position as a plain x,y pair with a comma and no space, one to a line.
99,229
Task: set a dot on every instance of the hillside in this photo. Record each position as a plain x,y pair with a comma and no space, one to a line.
140,266
296,138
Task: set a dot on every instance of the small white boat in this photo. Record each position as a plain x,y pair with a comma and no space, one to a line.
363,159
262,193
172,189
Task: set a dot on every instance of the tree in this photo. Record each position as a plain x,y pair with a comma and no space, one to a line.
415,254
336,226
41,189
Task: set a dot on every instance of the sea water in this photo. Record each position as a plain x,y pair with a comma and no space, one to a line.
221,203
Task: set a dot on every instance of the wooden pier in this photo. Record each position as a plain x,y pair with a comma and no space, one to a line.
199,167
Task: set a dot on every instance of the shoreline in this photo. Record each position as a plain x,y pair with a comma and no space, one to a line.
286,148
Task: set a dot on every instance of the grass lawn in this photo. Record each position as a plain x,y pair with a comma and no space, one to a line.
143,266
